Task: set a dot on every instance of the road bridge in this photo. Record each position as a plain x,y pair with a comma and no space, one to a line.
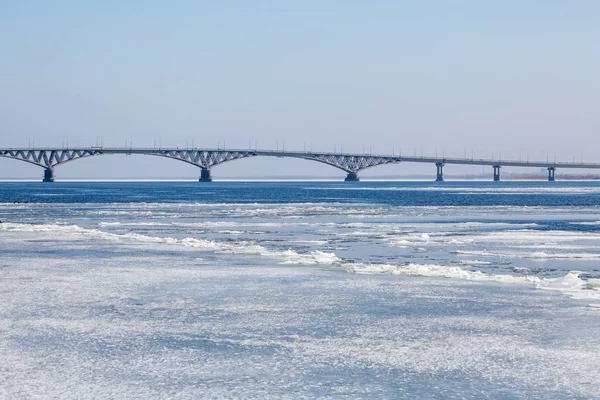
206,159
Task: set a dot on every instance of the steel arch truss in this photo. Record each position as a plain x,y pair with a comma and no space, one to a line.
48,158
208,158
348,163
202,158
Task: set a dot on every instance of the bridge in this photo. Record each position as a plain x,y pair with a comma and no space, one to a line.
206,159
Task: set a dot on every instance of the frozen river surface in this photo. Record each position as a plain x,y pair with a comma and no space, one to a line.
300,290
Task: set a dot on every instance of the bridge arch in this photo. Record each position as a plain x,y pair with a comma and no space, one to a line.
274,166
205,159
126,166
22,155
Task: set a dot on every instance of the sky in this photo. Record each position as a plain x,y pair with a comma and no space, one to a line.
503,79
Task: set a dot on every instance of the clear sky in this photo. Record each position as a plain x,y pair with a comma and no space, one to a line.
488,77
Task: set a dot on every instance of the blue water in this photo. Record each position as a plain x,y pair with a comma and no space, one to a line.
300,290
585,194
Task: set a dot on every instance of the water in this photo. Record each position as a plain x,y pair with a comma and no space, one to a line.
300,290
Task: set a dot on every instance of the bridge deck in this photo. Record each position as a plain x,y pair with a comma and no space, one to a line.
309,154
206,158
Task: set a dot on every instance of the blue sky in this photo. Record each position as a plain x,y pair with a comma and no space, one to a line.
510,77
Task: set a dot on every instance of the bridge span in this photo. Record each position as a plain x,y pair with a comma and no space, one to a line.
206,159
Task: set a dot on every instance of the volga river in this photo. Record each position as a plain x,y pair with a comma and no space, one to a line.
304,290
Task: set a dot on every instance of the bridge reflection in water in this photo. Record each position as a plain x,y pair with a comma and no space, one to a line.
206,159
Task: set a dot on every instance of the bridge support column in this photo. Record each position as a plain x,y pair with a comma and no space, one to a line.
205,175
551,171
48,175
440,172
496,173
352,177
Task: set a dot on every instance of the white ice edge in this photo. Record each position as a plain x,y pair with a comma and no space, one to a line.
286,257
569,284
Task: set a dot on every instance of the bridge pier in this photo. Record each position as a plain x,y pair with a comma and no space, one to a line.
440,172
205,175
48,175
551,171
352,177
496,173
